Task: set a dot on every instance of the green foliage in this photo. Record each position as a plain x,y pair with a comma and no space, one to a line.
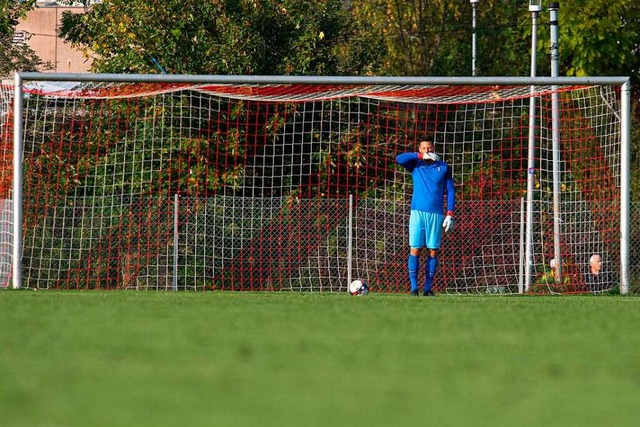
222,37
599,38
546,283
434,38
412,33
11,11
16,56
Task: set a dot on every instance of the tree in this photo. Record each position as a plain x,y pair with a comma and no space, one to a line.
433,37
16,56
222,37
599,38
504,38
412,31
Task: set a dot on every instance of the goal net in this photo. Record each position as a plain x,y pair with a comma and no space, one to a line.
269,187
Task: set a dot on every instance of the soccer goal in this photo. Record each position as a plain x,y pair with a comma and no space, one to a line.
290,183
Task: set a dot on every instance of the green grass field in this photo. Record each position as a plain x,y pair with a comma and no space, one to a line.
291,359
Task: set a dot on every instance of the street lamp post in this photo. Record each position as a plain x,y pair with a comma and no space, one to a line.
474,4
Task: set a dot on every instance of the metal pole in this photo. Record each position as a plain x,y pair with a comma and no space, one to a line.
320,80
474,5
176,211
521,259
17,182
350,242
555,139
625,174
534,8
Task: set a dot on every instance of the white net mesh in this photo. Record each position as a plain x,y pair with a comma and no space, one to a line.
6,206
264,173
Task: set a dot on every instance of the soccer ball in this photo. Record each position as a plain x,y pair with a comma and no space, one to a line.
358,287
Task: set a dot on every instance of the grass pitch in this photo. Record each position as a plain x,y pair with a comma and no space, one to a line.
291,359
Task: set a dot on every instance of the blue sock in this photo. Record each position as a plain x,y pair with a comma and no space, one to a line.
430,272
414,266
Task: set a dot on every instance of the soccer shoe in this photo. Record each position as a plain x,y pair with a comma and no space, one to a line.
429,293
415,293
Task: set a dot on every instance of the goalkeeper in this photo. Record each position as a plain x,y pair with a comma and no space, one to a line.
432,178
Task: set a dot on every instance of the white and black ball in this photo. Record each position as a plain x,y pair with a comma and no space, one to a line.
359,287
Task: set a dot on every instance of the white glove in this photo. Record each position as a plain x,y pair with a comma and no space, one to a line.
447,224
429,156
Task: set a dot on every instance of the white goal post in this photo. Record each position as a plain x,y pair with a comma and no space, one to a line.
289,182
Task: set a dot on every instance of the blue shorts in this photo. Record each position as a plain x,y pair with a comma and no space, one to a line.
425,229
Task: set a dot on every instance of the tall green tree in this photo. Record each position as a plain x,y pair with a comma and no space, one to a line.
433,37
16,56
599,38
414,32
503,37
223,37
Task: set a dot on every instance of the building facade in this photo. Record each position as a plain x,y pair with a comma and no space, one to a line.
40,31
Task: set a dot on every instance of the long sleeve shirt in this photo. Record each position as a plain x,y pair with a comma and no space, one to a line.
431,180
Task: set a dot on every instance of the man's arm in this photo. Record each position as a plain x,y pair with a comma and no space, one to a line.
451,191
408,160
447,224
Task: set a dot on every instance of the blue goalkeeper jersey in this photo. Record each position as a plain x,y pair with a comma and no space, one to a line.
430,182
